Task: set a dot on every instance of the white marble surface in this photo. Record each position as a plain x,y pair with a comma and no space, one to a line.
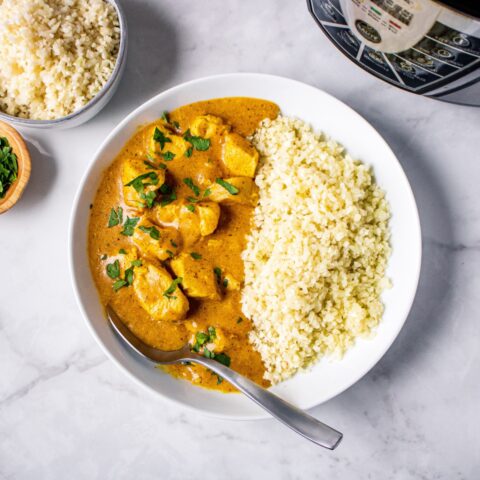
66,412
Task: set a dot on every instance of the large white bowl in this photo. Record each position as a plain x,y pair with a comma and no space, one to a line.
328,378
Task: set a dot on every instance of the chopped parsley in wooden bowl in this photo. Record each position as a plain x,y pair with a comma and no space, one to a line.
15,166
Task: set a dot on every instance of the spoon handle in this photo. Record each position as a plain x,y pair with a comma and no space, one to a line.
294,418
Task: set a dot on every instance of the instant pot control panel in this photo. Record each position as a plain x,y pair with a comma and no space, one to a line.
414,44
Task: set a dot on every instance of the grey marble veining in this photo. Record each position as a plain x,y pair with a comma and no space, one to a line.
66,412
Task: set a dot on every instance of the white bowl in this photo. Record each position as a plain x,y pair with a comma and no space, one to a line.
328,378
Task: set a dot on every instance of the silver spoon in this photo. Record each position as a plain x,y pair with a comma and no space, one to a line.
298,420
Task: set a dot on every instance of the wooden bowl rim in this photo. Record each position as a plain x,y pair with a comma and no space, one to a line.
24,166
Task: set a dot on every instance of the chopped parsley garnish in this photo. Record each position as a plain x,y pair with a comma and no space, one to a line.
113,269
122,251
168,156
116,217
193,199
174,244
225,282
207,192
218,273
194,188
222,358
103,257
119,284
168,194
191,208
188,152
202,339
160,138
139,186
170,253
165,117
212,332
152,231
129,226
198,143
176,125
173,286
195,255
8,166
239,320
231,189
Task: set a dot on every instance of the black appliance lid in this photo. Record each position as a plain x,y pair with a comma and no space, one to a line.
469,7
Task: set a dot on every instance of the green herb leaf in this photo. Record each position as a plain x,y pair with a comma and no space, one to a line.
198,143
231,189
152,231
119,284
116,217
195,255
129,226
139,185
129,275
174,245
160,138
170,253
136,263
207,192
103,257
188,152
218,273
225,282
239,320
113,269
165,117
194,188
173,286
191,208
223,358
212,332
168,156
201,338
122,251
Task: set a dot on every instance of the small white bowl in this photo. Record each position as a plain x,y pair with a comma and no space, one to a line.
96,104
328,378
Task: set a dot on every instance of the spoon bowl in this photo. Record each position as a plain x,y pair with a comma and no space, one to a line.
294,418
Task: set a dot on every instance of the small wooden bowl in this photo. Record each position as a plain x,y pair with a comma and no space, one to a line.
24,166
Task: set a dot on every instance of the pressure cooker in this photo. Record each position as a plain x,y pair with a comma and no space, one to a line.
426,47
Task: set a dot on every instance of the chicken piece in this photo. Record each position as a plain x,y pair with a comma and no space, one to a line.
132,169
208,216
206,126
240,157
247,191
199,280
151,284
177,145
192,225
155,242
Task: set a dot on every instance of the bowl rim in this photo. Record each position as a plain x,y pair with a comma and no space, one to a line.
261,415
122,49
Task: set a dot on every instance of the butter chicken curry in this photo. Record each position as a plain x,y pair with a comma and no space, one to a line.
168,227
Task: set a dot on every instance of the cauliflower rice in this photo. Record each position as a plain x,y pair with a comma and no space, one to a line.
315,260
55,55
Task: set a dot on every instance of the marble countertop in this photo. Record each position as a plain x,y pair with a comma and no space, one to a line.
67,412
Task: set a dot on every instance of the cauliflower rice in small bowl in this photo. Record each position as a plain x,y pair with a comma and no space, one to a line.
60,62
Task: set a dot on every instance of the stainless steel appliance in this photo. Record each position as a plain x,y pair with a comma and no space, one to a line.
426,47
